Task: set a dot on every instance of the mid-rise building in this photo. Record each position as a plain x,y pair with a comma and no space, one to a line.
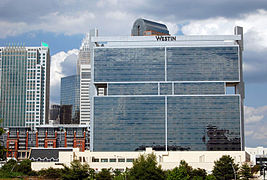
70,98
167,92
258,155
19,140
25,81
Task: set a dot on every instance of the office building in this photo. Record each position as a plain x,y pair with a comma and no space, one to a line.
84,70
25,81
70,99
167,92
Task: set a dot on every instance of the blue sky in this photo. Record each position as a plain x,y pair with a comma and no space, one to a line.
62,25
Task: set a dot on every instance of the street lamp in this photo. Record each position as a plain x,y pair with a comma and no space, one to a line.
233,169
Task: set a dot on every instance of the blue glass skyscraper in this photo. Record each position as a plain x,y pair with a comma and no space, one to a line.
167,92
70,95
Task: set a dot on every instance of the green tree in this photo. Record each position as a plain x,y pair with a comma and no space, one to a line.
145,167
225,168
199,174
50,173
210,177
24,167
104,174
245,172
76,171
8,170
178,173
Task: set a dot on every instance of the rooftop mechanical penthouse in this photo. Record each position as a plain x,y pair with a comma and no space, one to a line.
168,95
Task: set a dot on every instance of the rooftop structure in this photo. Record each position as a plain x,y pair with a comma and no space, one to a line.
143,27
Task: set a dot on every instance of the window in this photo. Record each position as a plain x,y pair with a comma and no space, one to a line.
129,160
121,160
104,160
112,160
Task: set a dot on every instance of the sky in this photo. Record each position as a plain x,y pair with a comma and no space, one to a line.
62,25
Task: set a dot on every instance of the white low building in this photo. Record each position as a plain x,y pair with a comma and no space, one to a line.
123,160
256,154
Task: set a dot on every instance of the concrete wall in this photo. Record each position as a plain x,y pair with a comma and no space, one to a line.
167,159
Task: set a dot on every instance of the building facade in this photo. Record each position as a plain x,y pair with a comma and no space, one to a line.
123,160
70,96
25,81
19,140
167,92
84,70
54,113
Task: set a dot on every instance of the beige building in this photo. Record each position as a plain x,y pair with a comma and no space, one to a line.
123,160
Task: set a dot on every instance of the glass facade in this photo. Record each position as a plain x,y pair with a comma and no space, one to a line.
129,64
13,82
202,64
70,95
200,123
167,98
24,94
133,89
199,88
128,123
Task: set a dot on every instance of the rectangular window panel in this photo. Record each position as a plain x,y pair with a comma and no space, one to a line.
128,123
199,123
133,89
202,64
199,88
129,64
165,88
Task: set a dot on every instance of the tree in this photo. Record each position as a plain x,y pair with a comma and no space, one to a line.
76,171
145,167
225,168
104,174
245,172
50,173
24,167
184,171
178,173
199,173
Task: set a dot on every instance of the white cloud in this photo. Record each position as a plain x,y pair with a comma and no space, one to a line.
172,27
11,28
57,70
254,25
253,115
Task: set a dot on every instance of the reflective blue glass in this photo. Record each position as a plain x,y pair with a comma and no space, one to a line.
199,123
133,89
165,88
129,64
199,88
202,64
128,123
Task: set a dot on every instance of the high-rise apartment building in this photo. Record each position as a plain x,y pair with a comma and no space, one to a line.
70,95
167,92
25,81
84,70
